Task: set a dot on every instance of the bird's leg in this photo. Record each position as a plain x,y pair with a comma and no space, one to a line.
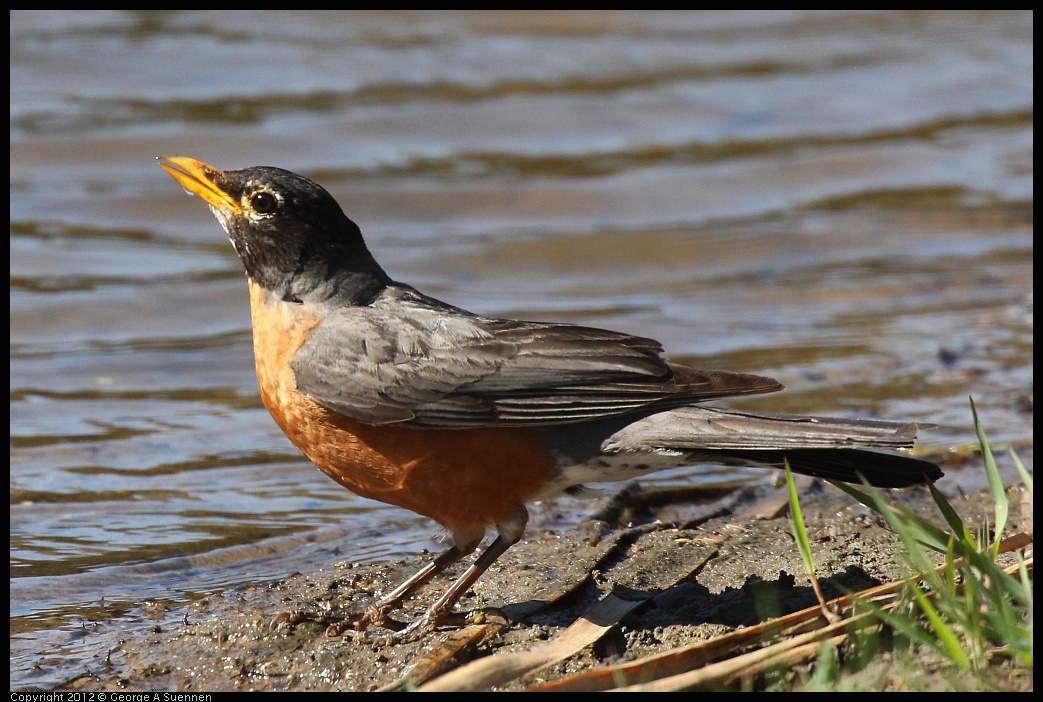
509,531
439,611
376,614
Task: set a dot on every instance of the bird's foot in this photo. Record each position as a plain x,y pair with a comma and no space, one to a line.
291,619
433,619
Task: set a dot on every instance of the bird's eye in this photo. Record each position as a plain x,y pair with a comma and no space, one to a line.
263,202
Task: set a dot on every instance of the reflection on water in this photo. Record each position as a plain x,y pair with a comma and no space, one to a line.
842,201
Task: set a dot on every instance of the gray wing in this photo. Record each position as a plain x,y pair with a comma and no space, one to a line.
411,359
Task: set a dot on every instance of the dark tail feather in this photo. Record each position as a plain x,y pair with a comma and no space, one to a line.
823,447
880,469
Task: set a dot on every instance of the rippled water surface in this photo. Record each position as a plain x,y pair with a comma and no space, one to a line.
842,201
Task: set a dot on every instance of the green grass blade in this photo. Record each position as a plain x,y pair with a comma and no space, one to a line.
953,519
800,532
1025,476
946,636
999,495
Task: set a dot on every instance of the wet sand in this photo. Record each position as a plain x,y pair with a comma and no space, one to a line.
697,567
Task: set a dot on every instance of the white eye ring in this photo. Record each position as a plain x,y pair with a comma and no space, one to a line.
262,202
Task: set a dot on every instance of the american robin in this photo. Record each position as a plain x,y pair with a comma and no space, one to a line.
405,399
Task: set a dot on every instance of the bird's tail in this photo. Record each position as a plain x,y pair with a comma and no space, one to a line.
817,446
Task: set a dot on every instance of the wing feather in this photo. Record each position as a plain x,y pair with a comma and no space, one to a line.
410,359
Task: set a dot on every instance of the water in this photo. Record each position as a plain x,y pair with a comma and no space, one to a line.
839,200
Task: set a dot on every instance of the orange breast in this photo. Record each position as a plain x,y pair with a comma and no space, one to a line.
466,479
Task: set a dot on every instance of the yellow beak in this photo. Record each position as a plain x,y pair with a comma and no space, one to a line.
197,177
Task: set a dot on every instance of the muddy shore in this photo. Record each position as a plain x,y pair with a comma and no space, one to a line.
690,566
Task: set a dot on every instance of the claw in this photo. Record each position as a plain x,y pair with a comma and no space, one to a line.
419,628
290,618
438,614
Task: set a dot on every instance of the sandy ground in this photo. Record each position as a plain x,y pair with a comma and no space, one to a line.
696,567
